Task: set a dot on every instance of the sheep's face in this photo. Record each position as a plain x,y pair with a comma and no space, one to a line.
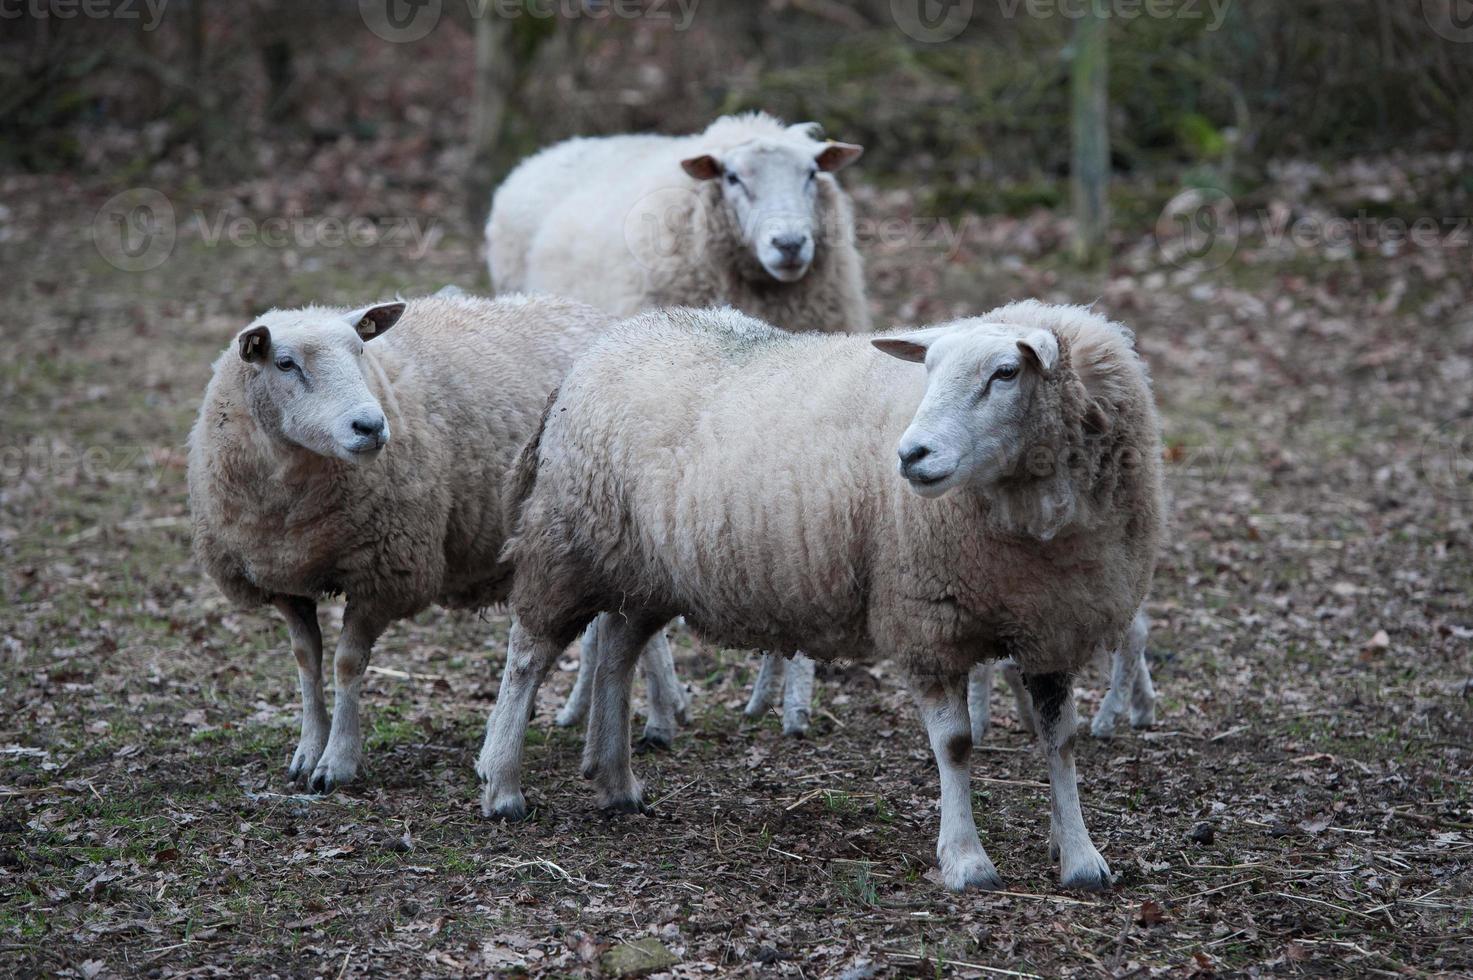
769,188
972,427
307,384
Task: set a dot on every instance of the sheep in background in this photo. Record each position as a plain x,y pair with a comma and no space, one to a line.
329,458
1128,670
757,497
745,214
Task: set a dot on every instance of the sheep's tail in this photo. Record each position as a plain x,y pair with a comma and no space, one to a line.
522,476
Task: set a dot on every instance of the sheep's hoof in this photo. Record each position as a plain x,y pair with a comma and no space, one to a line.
975,872
625,804
979,734
569,716
1087,873
1143,718
1102,727
304,760
654,740
796,725
757,707
508,808
327,777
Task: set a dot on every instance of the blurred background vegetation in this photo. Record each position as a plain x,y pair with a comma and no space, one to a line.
217,92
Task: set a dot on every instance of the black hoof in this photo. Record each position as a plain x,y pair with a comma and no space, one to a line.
656,741
509,813
629,804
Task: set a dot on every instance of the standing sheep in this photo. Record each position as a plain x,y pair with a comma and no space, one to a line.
757,497
326,460
745,214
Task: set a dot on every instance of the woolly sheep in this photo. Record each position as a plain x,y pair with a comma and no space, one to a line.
327,460
745,214
756,497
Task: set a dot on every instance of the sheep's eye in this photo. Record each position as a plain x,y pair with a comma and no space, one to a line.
813,174
732,179
1005,373
285,364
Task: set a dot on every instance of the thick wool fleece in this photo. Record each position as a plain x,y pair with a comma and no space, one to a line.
462,382
700,462
616,222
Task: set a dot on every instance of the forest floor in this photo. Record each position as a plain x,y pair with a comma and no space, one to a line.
1304,804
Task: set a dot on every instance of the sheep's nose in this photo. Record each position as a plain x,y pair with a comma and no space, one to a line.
371,426
789,245
912,454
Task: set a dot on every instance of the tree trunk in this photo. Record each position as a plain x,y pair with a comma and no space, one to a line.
1091,134
505,50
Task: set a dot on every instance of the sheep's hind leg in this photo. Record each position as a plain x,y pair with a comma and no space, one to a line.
963,861
344,752
1080,864
667,702
798,696
528,658
979,700
306,637
1143,696
1014,677
764,688
1125,663
621,638
577,707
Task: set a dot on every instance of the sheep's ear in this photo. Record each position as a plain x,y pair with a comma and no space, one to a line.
1041,349
374,320
255,344
703,167
908,346
836,156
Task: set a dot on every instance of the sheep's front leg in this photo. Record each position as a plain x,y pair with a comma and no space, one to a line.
979,700
667,700
306,637
798,696
959,852
606,749
1080,864
1143,696
577,707
340,760
764,688
499,765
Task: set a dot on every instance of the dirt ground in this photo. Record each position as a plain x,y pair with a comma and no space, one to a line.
1302,807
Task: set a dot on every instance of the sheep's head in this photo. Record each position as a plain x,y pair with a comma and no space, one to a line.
990,406
770,190
305,382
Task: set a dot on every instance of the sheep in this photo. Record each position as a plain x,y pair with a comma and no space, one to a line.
746,213
754,497
333,456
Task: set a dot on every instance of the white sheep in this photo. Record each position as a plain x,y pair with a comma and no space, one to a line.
757,497
745,214
326,460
